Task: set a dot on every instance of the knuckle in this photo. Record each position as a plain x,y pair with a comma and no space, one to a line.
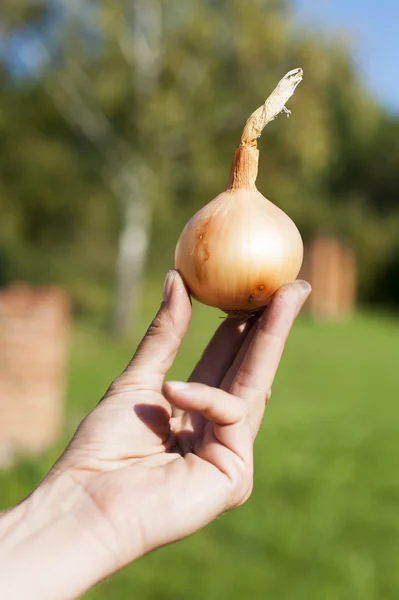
115,386
163,325
244,491
246,496
127,382
268,395
241,481
160,322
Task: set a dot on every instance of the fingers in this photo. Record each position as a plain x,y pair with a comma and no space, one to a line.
221,352
158,349
226,412
214,404
216,360
242,350
257,363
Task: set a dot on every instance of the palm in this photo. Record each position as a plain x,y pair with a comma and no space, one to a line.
129,455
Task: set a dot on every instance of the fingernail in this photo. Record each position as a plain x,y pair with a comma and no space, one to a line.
305,285
305,289
177,386
167,286
304,292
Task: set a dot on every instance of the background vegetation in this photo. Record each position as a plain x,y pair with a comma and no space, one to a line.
83,104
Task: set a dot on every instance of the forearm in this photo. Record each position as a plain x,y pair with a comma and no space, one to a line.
45,551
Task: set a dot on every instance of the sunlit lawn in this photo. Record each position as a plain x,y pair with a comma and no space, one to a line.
323,520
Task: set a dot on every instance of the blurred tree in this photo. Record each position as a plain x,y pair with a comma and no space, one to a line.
132,40
151,100
129,36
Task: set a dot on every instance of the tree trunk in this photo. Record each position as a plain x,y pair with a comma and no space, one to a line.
141,47
132,250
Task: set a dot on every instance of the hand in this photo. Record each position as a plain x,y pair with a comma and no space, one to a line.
139,474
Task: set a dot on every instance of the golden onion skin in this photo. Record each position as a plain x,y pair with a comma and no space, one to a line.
238,250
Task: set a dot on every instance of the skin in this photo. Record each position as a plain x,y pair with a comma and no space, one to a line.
138,474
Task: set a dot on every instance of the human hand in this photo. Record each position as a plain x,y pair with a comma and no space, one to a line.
139,474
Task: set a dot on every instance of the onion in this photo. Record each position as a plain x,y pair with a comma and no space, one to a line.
240,248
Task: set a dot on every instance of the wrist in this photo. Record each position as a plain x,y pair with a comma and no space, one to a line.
52,546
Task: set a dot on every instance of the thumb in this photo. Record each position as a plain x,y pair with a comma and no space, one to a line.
157,351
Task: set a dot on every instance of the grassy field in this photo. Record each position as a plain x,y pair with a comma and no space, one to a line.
323,520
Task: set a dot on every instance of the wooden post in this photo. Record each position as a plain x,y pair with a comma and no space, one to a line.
34,327
330,267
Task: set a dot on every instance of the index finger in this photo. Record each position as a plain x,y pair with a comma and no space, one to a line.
257,369
157,350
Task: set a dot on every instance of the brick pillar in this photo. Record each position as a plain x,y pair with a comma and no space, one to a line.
330,267
34,325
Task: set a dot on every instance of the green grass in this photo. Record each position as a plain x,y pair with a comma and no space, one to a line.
323,520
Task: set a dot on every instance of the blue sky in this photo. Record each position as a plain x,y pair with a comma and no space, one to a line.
371,25
374,33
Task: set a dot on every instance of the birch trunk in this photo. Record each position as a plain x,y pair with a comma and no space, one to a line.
133,244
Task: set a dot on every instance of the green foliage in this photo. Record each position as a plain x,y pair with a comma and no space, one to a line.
332,167
322,521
